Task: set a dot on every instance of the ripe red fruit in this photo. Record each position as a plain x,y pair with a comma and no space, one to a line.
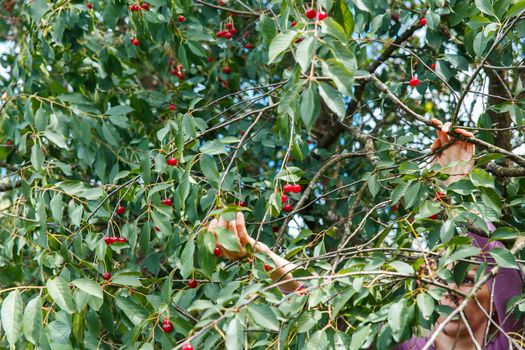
394,16
234,31
423,21
217,251
249,46
296,188
220,3
227,70
228,35
113,239
168,202
167,326
121,209
284,198
122,239
241,204
229,25
89,6
294,23
108,240
288,208
172,161
9,143
187,346
172,107
181,18
210,59
192,283
267,267
106,276
275,229
288,188
144,6
414,82
298,40
311,13
434,217
220,33
134,7
322,16
135,42
433,66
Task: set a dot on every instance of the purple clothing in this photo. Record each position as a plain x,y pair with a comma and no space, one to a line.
506,284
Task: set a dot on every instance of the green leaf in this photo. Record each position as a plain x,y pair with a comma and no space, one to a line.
134,312
56,138
304,52
32,321
307,320
333,100
119,110
504,258
426,305
310,106
291,174
89,286
187,259
209,168
61,294
280,43
486,7
373,185
339,74
234,335
348,18
330,26
37,157
480,178
447,231
213,147
227,239
397,318
127,279
427,209
38,9
41,119
264,316
359,337
461,253
516,9
12,307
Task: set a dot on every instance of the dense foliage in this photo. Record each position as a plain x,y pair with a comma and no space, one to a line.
145,120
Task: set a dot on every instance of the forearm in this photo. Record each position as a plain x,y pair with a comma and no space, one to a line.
281,269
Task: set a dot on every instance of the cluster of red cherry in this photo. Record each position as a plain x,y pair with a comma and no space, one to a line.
228,33
144,6
288,188
114,239
178,71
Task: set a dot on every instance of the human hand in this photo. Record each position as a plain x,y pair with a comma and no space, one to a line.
458,151
237,228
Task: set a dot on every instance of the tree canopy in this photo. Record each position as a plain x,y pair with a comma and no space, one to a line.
127,126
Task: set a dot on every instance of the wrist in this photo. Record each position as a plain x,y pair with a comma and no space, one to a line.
260,247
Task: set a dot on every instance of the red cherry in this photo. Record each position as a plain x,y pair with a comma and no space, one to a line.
288,188
267,267
294,23
284,198
423,21
179,74
227,70
275,229
288,208
217,251
181,18
229,25
167,326
298,40
9,143
168,202
296,188
394,16
241,204
172,107
220,3
187,346
108,240
210,59
233,31
322,16
89,6
228,35
144,6
121,209
106,276
433,66
219,34
434,217
311,13
414,82
172,161
122,239
249,46
134,7
192,283
135,42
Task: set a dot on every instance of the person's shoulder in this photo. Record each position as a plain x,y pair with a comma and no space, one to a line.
413,344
